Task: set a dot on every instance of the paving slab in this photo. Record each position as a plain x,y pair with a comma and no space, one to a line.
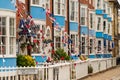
110,74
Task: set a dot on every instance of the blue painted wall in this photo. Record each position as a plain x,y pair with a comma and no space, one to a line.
105,36
92,56
84,30
38,12
8,62
91,32
109,37
40,58
99,35
109,19
73,26
74,57
60,20
6,4
105,16
99,11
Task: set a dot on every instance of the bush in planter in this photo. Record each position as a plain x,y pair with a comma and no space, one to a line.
60,54
25,60
90,69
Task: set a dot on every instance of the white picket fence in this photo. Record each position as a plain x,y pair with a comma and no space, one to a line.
73,70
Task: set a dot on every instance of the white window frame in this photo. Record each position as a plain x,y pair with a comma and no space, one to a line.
91,21
84,14
83,45
9,46
75,10
41,3
12,36
62,7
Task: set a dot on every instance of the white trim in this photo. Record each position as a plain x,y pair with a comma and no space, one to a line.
8,10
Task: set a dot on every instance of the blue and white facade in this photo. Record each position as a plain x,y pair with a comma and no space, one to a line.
7,33
38,13
103,28
73,24
7,38
84,28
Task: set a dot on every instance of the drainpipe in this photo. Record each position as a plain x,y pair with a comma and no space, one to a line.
68,26
52,11
79,27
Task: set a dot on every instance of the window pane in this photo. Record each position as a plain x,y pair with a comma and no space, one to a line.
12,28
57,42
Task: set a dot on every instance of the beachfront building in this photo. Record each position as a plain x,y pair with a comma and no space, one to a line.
119,28
7,38
114,10
7,33
103,28
87,22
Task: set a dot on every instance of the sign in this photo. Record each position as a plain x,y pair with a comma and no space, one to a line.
27,71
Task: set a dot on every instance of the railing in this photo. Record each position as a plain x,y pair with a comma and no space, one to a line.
72,70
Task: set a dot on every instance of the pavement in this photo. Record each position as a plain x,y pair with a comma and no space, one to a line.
110,74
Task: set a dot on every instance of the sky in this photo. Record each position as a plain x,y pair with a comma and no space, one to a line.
119,1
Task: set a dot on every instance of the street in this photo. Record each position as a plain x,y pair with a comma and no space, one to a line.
111,74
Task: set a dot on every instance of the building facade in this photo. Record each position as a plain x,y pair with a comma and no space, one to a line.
103,27
84,27
7,33
115,6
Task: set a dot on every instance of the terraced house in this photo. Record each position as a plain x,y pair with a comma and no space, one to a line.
80,27
39,27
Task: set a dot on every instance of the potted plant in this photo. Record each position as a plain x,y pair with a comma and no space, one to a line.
90,69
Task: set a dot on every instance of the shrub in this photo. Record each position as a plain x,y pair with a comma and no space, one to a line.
60,54
90,69
25,61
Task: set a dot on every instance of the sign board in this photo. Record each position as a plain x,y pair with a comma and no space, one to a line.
27,71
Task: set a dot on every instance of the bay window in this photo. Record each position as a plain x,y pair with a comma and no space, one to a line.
104,26
91,20
98,3
41,3
109,27
7,35
91,45
73,43
74,10
98,23
12,35
35,2
83,45
59,7
57,42
83,16
2,35
99,45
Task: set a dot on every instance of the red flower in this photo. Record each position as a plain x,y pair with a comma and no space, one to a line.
62,58
41,31
52,44
53,51
35,41
29,47
74,64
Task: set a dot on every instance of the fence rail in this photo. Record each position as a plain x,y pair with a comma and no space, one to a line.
73,70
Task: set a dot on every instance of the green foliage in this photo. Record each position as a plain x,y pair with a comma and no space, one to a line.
25,61
60,54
